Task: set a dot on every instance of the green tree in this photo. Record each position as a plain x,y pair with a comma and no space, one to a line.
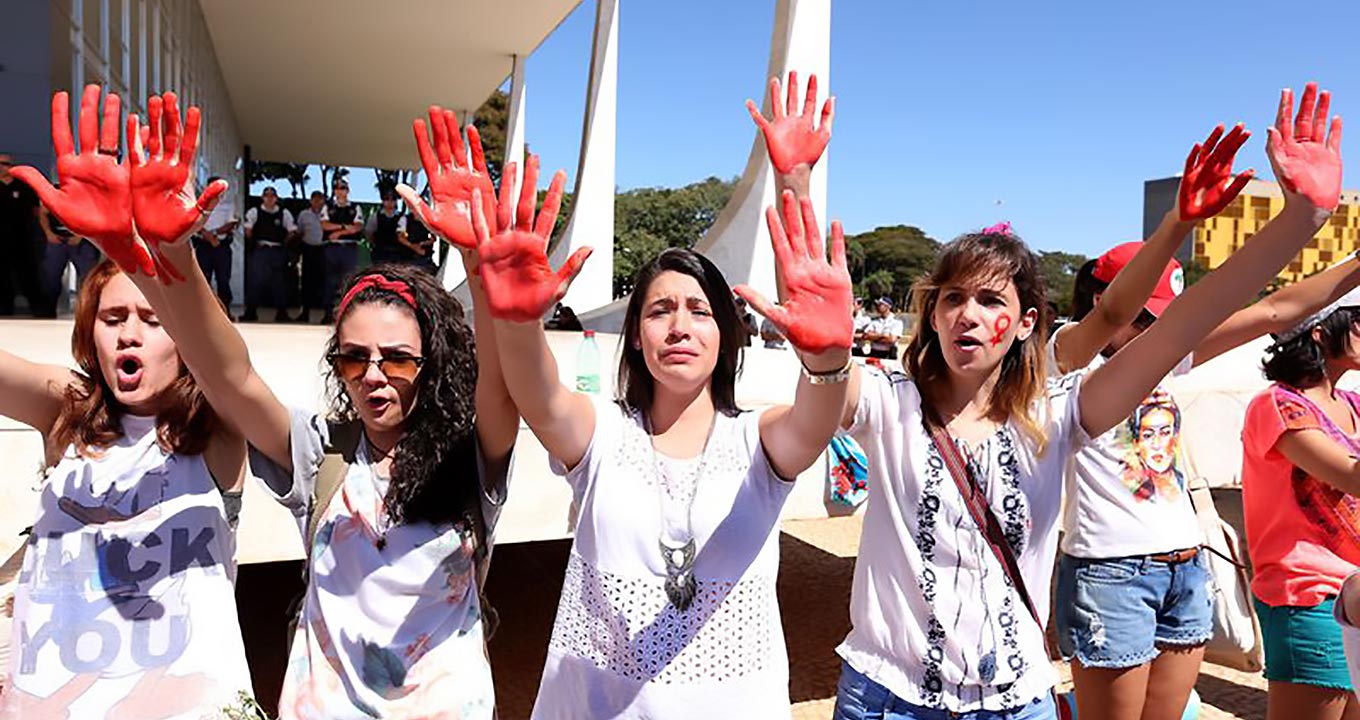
492,121
1059,269
878,284
649,220
294,173
903,253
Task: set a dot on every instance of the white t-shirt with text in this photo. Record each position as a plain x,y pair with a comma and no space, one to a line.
125,605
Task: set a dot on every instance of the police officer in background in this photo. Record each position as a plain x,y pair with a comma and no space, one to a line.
269,226
344,227
63,248
386,233
420,240
313,256
19,250
212,247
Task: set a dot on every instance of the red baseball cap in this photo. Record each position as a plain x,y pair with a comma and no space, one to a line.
1168,287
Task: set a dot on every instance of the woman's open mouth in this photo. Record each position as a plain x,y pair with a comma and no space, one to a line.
129,372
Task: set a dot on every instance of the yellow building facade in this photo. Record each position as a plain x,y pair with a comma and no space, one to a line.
1219,237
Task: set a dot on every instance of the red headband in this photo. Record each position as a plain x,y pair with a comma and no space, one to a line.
396,287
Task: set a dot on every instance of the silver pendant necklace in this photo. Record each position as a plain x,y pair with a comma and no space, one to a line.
681,585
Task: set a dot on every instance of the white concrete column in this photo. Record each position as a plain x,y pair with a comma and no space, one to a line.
592,217
514,131
739,242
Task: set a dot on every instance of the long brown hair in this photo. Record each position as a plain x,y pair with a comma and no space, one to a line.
982,257
90,413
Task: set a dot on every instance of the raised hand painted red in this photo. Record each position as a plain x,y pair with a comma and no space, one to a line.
452,179
1306,159
163,204
95,199
1208,184
791,138
817,312
999,328
520,286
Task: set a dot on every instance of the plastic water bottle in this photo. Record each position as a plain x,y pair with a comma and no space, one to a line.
588,365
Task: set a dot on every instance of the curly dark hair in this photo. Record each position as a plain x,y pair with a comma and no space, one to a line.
1301,362
434,473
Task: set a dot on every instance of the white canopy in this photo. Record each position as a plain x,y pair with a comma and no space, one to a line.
339,81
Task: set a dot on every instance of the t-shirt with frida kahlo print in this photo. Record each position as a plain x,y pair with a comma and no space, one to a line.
1126,489
1304,534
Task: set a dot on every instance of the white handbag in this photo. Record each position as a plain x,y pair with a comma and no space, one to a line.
1236,642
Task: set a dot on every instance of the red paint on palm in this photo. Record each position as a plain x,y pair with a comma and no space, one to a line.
817,312
95,199
999,328
791,138
1208,184
1306,159
519,283
452,179
164,207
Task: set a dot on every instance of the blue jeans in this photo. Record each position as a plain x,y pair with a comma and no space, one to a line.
1113,613
859,698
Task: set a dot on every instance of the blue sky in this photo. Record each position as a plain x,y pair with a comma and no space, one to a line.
1058,111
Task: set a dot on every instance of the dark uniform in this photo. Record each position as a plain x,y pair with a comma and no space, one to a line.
19,249
386,248
420,236
269,262
78,252
342,252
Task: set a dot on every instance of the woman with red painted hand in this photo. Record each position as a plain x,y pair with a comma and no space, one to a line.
418,436
969,449
1298,462
1133,602
669,607
125,607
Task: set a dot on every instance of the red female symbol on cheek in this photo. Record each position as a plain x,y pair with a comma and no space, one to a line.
1002,324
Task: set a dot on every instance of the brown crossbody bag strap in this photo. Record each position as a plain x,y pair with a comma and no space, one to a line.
992,532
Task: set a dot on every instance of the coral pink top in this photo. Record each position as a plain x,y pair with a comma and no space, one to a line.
1303,534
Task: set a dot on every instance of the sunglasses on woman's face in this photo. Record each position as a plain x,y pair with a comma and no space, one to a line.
398,366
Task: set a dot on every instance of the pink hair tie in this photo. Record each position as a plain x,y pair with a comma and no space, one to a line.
1001,228
396,287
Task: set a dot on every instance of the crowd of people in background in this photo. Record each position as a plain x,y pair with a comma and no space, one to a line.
290,260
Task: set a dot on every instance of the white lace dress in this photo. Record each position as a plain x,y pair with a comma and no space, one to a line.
619,649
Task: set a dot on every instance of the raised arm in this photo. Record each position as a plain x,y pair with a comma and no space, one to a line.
1307,163
166,213
1206,187
815,315
793,141
452,181
520,287
32,393
1280,310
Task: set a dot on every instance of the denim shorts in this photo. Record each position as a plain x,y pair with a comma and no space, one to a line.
1113,613
859,698
1303,645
